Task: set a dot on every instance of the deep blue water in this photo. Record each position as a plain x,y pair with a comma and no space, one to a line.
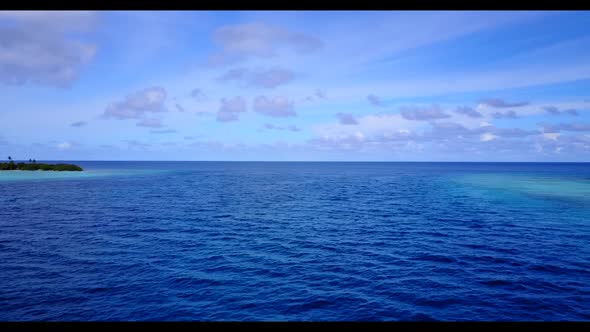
217,241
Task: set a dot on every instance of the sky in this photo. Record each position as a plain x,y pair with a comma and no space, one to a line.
295,85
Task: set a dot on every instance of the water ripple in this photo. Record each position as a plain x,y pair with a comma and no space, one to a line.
297,241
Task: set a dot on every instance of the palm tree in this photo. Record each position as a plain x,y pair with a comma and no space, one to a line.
10,163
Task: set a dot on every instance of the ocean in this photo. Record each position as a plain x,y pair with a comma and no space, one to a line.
296,241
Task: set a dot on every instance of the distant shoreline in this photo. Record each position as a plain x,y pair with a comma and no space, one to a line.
21,166
331,161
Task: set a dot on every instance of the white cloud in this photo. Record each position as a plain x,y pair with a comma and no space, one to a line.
501,103
197,94
486,137
274,106
555,111
262,77
551,136
79,124
556,128
247,40
346,119
468,111
150,123
274,127
505,115
164,131
137,104
375,101
64,146
375,125
230,109
40,47
423,113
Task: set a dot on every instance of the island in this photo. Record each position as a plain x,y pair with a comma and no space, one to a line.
32,165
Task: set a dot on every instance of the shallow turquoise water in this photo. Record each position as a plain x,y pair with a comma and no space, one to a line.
540,186
15,176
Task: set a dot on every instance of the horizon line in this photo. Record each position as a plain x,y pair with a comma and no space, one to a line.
309,161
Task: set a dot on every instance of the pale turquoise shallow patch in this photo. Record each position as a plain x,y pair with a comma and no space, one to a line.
17,176
546,186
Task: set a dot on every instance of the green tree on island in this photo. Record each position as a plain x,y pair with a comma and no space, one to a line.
33,166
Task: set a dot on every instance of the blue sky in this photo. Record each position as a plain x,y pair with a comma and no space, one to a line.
295,85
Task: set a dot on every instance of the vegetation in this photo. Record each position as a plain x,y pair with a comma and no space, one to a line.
34,166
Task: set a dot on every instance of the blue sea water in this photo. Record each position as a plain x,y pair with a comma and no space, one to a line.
244,241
